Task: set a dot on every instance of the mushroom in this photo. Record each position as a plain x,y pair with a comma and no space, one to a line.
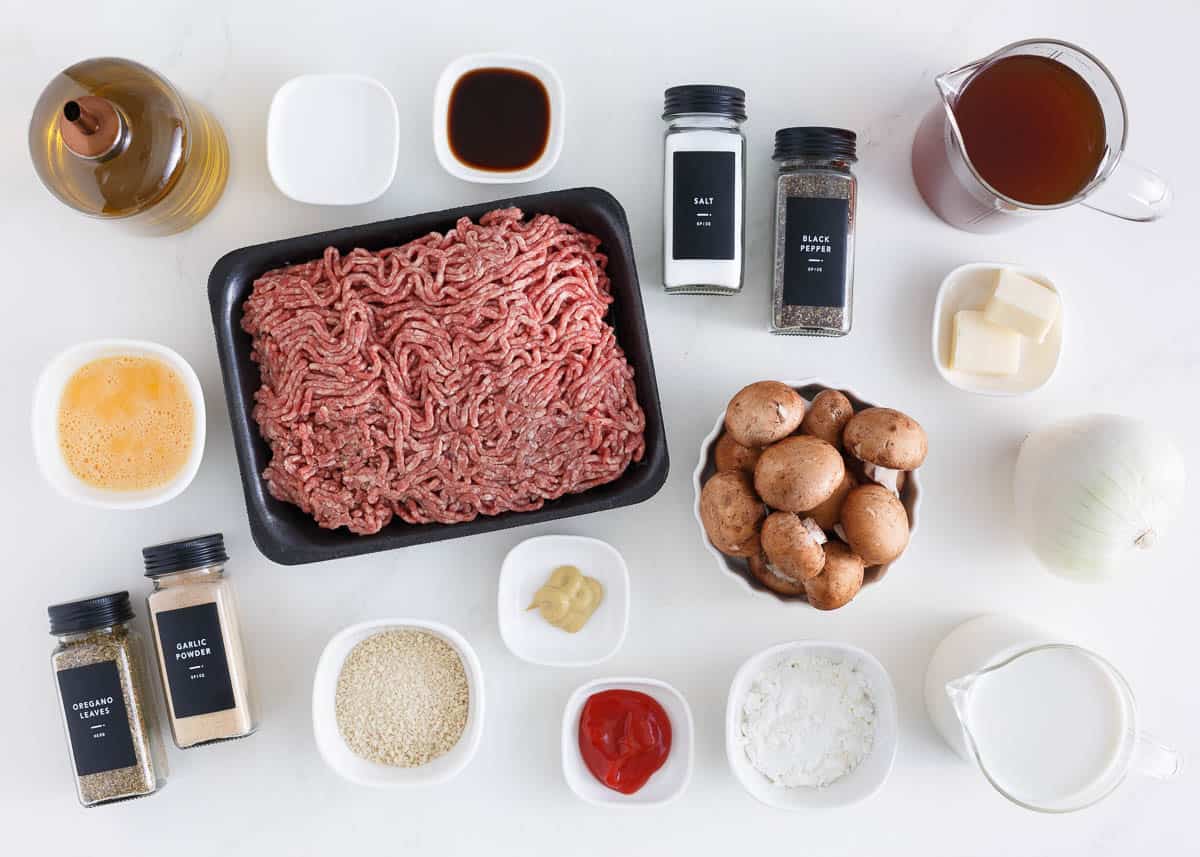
886,441
798,473
839,581
731,455
827,417
859,469
793,545
731,513
828,514
769,576
764,412
874,524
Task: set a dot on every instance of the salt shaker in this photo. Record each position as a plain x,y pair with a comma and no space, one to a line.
815,196
704,189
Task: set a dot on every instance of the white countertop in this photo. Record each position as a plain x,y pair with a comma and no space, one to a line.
1133,296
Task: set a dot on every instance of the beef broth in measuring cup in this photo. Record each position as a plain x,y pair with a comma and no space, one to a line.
1036,126
1032,127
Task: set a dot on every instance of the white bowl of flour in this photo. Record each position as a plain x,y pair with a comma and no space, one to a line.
811,725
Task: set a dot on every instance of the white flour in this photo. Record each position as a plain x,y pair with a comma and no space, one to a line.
808,721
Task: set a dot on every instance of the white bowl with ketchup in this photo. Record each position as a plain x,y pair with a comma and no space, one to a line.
666,782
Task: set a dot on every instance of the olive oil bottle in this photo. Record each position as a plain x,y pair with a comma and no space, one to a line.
115,140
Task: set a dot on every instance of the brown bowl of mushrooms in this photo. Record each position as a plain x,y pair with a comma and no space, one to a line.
806,492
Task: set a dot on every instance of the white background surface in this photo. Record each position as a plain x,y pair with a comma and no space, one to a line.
1131,347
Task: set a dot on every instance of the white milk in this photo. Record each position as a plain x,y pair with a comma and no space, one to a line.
1054,725
974,645
1051,727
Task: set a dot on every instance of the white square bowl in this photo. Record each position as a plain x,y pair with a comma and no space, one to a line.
859,784
530,637
441,115
969,287
668,782
349,765
333,139
48,393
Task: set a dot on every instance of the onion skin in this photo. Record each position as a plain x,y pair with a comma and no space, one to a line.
1095,493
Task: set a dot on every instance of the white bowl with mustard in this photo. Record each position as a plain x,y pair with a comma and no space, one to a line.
563,601
118,423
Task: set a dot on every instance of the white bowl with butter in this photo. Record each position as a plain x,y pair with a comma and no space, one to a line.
969,287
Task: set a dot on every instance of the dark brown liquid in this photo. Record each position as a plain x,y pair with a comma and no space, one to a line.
499,119
1032,127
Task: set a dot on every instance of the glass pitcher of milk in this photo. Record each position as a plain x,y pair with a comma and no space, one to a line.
1052,726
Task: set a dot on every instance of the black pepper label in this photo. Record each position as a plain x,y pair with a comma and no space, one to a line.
97,722
702,211
814,253
193,656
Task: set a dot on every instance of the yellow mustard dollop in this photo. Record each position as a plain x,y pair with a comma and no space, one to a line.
568,599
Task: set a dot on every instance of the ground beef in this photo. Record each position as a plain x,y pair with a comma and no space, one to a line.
457,375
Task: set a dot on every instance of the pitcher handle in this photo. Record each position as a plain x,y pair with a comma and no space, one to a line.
1154,759
1131,192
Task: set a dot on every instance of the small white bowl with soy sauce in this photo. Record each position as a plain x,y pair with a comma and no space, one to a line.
498,118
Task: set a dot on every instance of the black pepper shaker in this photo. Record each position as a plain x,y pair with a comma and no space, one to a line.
815,196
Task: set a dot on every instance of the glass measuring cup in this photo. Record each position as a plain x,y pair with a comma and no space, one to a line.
952,186
1048,774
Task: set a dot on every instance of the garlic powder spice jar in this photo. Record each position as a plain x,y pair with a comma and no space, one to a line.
704,190
198,641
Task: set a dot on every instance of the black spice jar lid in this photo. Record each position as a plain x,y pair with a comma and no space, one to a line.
835,144
171,557
705,98
96,611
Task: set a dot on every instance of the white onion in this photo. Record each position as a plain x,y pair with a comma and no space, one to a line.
1096,493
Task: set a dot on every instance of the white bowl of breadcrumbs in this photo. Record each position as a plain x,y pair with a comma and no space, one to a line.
398,702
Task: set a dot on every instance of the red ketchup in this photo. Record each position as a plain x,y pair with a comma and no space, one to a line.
624,736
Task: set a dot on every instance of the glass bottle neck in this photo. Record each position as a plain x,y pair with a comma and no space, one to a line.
810,163
706,121
205,574
104,630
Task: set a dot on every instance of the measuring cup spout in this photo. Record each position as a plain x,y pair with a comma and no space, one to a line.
959,691
950,83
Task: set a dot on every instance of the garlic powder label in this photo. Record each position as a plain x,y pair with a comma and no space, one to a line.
192,650
97,721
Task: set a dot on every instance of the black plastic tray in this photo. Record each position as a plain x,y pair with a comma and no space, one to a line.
287,535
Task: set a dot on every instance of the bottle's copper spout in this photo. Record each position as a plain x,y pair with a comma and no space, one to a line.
85,121
91,127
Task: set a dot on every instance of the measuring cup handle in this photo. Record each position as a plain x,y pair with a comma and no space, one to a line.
1154,759
1131,192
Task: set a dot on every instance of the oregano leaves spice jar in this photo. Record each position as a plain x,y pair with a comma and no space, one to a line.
106,703
704,199
198,642
815,197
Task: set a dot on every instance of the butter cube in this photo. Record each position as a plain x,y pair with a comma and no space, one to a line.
983,348
1023,305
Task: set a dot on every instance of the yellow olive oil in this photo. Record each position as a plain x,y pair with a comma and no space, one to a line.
113,139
